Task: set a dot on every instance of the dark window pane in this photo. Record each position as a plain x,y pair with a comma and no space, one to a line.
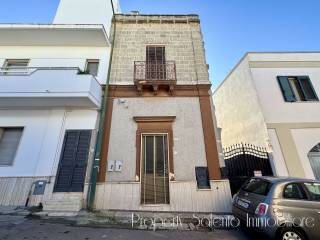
202,177
314,190
92,67
294,191
307,89
155,66
149,154
257,186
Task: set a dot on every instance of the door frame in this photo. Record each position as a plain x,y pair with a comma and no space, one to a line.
168,165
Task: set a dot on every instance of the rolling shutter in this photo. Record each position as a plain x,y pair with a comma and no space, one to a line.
9,142
286,89
73,161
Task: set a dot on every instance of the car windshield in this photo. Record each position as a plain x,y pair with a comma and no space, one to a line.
314,190
257,186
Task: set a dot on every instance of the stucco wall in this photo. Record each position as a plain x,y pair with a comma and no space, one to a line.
51,56
275,109
86,12
183,44
188,147
184,197
305,140
38,153
278,162
238,109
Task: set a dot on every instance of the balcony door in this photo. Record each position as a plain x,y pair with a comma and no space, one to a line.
155,63
154,169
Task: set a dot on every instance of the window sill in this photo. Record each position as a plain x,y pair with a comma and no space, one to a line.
304,102
155,205
204,189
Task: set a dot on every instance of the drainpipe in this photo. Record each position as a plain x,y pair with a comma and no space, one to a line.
99,139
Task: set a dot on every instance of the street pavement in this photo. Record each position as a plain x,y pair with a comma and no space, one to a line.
21,228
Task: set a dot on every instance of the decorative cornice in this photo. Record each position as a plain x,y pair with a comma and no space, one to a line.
154,119
129,91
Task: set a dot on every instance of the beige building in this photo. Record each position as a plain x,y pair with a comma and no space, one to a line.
160,152
271,100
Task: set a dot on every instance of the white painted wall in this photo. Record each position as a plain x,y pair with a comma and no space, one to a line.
86,12
285,56
277,161
238,110
273,106
38,153
184,197
51,56
49,88
189,145
305,140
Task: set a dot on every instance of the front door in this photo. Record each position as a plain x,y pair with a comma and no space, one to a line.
154,169
73,161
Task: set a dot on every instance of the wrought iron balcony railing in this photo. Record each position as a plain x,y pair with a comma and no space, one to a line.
145,71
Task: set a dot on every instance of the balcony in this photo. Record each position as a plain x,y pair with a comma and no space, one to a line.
48,87
155,75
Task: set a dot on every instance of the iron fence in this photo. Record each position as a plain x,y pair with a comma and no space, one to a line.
146,71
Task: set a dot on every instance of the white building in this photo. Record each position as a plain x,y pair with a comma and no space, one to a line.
50,95
271,100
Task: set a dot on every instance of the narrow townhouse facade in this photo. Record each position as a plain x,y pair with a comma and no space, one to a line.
51,79
160,150
272,100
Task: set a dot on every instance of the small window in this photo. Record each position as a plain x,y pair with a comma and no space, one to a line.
202,177
297,88
313,190
257,186
294,191
9,142
16,63
92,67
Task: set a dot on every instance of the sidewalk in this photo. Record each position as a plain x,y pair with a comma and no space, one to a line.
127,219
20,227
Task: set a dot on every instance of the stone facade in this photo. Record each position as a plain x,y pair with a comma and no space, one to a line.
181,36
193,133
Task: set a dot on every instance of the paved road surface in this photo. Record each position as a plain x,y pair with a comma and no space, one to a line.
20,228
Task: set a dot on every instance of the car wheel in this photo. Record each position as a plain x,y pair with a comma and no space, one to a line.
291,234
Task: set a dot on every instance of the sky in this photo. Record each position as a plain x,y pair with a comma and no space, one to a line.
230,27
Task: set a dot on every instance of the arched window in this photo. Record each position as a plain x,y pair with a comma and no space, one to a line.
314,157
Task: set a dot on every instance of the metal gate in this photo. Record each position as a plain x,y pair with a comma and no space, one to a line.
244,161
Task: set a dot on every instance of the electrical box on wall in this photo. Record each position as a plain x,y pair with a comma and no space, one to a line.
39,187
111,165
114,166
118,166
